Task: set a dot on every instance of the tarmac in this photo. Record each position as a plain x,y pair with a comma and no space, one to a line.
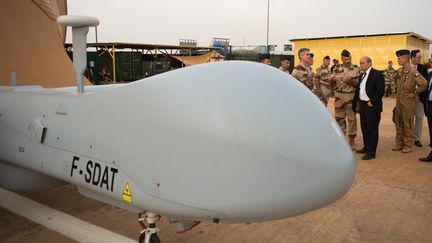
390,201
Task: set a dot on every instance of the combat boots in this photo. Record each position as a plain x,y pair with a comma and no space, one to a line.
406,150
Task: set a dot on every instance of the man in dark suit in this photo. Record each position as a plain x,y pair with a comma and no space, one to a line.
427,100
368,101
416,58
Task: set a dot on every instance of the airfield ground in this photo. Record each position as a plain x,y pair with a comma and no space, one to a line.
390,201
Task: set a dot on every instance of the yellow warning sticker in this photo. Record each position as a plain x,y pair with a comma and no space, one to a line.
127,195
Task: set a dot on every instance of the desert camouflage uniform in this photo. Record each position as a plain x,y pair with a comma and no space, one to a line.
323,75
344,95
408,80
389,76
304,75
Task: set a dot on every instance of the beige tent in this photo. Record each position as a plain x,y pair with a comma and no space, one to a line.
32,44
193,60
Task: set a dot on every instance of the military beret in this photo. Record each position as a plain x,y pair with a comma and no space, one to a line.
402,52
263,56
311,55
345,53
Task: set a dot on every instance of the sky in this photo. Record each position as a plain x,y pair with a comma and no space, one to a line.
244,22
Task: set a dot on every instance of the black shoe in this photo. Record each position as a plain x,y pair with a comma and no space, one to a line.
418,144
427,158
361,151
368,157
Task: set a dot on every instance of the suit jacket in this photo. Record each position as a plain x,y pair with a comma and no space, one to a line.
428,89
374,89
423,71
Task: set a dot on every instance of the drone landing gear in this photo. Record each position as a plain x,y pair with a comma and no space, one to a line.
148,234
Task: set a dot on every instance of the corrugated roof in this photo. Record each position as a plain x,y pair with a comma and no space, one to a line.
123,45
352,36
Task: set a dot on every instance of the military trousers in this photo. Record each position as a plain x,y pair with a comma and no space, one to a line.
344,113
326,91
389,87
404,121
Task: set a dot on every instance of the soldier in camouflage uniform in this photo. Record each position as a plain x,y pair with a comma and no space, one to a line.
303,71
345,78
409,83
389,76
322,81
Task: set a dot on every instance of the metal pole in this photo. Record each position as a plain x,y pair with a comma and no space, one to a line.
268,18
96,34
13,79
114,64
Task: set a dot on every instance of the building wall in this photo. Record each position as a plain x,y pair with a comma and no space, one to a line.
380,48
415,43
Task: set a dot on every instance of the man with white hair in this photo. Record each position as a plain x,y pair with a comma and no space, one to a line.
368,94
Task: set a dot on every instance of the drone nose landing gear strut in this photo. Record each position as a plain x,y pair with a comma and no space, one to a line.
149,234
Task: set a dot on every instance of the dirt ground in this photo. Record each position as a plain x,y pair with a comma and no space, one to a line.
390,201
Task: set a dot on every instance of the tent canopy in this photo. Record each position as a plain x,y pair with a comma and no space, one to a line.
32,44
193,60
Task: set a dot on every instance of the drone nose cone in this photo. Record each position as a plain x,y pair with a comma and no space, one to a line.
240,139
294,157
302,160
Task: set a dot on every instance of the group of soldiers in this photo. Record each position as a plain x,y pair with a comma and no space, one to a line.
406,83
343,79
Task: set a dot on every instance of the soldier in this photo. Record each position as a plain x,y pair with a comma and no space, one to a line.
322,81
264,58
409,83
303,72
335,65
345,78
389,77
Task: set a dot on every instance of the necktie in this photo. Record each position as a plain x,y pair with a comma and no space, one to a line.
362,76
